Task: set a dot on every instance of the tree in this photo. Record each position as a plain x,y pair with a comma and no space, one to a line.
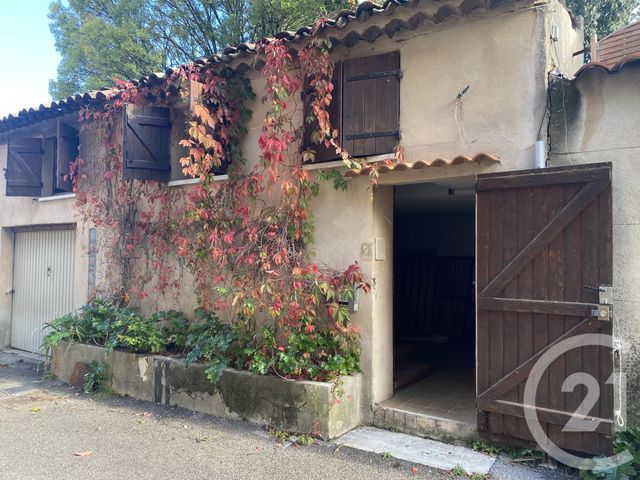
100,40
604,16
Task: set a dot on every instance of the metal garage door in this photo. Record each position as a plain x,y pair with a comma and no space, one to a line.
42,283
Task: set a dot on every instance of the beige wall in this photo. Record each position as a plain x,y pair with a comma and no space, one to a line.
503,56
599,121
20,212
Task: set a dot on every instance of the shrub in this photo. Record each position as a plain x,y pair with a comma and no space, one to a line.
175,328
70,328
104,323
210,340
628,440
132,331
96,378
299,351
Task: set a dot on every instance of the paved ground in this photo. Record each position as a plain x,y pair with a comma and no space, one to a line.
50,431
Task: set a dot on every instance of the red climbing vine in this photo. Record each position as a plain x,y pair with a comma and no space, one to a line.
245,239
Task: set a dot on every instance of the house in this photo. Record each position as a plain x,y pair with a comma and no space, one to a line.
483,250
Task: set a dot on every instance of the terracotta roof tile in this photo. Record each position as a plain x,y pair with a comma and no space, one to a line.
608,69
384,167
440,11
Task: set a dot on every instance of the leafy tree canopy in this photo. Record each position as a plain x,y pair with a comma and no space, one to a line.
100,40
604,16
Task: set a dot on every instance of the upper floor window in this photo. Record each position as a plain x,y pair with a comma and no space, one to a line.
365,107
147,142
39,166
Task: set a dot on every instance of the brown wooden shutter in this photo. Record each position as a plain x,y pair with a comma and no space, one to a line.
544,247
324,154
147,140
66,152
371,106
24,167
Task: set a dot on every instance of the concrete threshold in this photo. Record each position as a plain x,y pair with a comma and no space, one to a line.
417,450
423,425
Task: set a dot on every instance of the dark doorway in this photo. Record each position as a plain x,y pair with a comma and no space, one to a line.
434,298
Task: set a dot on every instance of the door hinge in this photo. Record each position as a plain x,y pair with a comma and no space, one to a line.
11,291
368,76
385,133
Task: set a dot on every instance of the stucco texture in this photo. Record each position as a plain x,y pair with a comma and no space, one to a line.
502,55
595,119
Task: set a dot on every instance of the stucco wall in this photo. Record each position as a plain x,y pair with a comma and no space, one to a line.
21,212
596,119
502,55
504,58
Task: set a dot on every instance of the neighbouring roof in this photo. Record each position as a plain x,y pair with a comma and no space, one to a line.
619,46
342,30
421,164
610,70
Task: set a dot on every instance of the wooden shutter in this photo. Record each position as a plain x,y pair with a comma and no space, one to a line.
147,138
544,246
66,152
324,154
371,106
24,167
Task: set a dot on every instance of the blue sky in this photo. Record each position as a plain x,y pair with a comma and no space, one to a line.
28,58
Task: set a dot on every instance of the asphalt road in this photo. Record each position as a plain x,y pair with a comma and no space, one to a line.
50,431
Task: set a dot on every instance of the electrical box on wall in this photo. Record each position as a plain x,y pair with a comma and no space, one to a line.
351,304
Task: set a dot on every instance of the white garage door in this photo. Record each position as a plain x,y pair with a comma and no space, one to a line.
42,284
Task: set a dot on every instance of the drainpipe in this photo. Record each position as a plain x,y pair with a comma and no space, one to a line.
540,160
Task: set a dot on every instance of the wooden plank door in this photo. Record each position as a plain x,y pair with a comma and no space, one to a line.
544,245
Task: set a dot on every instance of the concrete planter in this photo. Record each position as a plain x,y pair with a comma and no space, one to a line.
321,408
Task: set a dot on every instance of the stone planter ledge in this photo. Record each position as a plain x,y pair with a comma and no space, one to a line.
320,408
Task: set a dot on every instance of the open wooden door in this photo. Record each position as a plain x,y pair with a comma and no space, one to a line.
544,247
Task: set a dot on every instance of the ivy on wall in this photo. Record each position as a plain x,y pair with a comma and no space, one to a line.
244,240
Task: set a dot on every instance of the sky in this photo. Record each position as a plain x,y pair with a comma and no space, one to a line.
28,58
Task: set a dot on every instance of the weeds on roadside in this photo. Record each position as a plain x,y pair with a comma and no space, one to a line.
480,446
282,436
96,378
458,471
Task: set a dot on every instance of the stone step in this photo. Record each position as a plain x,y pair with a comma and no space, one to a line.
422,451
430,426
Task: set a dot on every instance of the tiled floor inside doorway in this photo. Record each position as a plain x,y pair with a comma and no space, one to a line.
449,395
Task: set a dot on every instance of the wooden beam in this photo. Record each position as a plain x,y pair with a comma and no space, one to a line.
547,307
546,415
543,177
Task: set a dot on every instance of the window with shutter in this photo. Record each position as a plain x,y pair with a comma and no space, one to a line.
66,152
24,167
365,107
147,138
371,104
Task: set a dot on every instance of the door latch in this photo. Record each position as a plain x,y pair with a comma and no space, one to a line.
605,293
605,301
11,291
